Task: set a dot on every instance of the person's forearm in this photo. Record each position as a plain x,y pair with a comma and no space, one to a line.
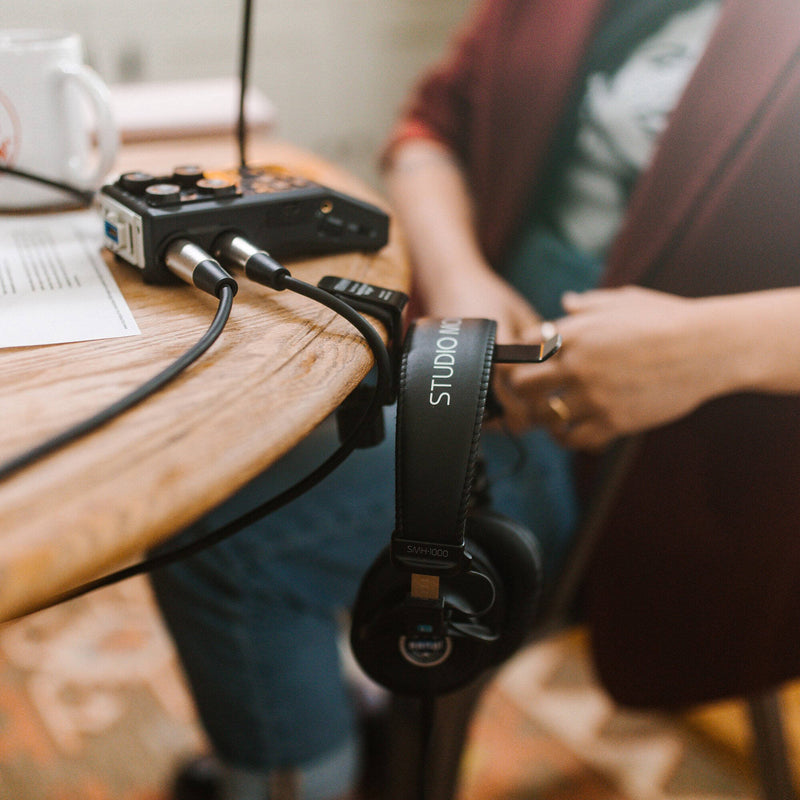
432,203
451,276
754,340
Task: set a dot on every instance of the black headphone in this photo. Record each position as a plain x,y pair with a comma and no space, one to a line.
457,590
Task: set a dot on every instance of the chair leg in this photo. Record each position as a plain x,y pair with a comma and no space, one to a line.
770,749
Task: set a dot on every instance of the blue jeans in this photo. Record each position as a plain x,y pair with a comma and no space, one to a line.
256,618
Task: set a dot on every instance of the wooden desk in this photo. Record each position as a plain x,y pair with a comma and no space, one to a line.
282,364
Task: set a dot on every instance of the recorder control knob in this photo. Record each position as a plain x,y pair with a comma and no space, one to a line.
187,175
216,187
136,182
163,194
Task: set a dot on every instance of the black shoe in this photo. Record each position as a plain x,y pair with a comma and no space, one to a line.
198,779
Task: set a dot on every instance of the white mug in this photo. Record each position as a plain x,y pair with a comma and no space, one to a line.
55,118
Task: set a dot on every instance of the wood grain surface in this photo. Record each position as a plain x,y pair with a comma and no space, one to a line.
282,364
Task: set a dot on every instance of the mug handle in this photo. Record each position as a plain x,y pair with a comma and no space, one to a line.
107,137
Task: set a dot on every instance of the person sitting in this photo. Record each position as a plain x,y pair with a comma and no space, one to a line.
627,171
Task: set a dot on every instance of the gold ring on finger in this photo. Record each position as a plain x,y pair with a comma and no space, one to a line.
559,408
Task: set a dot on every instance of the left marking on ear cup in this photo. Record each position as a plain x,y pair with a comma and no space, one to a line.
425,650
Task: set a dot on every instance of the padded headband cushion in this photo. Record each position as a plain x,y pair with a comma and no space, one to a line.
444,382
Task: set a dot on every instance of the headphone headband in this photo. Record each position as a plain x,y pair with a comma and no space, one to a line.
443,387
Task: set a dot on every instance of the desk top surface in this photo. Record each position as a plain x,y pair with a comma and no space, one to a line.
282,364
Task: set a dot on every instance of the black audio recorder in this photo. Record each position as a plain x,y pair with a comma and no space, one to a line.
285,214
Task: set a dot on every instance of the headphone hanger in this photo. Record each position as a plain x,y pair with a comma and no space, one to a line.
457,588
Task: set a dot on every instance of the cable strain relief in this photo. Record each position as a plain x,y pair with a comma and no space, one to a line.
264,269
209,276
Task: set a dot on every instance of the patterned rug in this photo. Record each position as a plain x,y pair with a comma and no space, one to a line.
94,707
547,731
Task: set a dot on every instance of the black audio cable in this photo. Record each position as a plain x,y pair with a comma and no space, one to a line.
183,260
195,266
235,252
84,197
265,270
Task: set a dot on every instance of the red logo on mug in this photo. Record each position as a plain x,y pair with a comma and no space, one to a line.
9,131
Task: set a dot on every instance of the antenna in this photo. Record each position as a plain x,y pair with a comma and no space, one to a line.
244,54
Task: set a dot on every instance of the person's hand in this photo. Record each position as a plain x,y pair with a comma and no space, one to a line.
630,361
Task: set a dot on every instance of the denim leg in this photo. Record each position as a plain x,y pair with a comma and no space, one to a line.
531,481
256,618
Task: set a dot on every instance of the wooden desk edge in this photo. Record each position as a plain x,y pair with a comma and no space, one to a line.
43,554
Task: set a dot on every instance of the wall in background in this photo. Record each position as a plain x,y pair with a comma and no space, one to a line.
336,70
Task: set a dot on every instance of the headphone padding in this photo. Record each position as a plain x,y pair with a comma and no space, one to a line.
514,553
507,553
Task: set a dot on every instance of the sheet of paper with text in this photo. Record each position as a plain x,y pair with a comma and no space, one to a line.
54,285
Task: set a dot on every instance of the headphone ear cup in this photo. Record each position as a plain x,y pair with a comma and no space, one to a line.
506,555
380,618
514,553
